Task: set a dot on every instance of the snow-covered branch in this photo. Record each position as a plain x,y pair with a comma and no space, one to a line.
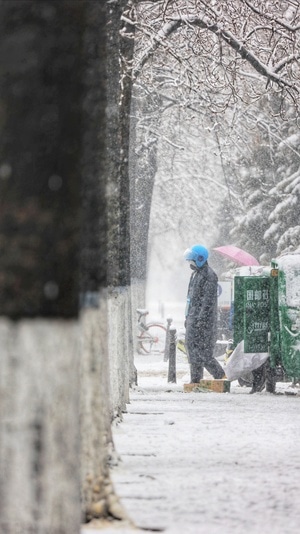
204,22
285,61
282,22
158,39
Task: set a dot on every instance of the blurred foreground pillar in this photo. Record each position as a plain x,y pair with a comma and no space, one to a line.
40,126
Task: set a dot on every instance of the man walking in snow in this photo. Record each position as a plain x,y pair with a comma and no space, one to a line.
201,315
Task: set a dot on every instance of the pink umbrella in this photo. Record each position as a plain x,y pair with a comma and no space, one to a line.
237,255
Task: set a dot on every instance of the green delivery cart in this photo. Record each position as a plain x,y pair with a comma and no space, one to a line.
267,316
285,333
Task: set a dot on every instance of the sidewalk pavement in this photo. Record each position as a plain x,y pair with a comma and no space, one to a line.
205,462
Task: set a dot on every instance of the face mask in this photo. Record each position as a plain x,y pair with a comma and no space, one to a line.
193,265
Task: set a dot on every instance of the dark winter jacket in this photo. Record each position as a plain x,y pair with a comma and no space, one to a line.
202,310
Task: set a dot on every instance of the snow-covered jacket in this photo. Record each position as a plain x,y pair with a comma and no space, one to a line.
202,313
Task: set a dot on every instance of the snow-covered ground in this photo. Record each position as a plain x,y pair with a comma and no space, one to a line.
207,462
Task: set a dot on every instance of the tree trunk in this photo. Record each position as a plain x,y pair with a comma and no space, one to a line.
105,273
55,101
143,167
120,51
39,235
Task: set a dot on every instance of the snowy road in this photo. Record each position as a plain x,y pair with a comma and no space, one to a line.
208,462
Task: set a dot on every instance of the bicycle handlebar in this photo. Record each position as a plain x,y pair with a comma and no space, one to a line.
142,312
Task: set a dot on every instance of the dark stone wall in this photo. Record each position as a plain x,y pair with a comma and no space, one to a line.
40,154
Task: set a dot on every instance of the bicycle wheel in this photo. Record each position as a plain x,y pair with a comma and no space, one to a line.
153,339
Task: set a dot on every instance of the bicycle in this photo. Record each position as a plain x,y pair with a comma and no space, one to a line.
151,337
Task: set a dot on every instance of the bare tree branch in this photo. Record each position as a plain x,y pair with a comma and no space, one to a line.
269,16
285,61
202,21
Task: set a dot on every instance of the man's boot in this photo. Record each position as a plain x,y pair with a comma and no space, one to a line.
259,379
196,373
